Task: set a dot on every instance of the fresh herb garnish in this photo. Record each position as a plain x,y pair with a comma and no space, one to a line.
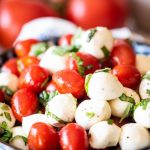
126,98
103,70
91,34
4,107
87,79
148,91
7,90
45,97
19,136
143,103
110,121
7,115
90,114
146,76
105,51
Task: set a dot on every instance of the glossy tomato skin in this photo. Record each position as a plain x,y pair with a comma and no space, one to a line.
122,54
92,13
69,81
27,61
43,137
73,137
11,66
129,76
24,103
22,48
17,13
34,78
65,40
90,63
2,98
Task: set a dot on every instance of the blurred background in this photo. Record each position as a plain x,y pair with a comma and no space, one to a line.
85,13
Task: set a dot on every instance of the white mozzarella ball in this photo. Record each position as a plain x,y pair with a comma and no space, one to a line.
61,109
28,121
134,137
142,114
145,86
94,40
103,135
10,80
90,112
6,115
52,61
103,86
18,130
119,105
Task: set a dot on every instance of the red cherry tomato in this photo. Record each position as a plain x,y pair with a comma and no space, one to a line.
82,63
69,81
34,78
65,40
73,137
51,87
43,137
122,54
2,97
129,76
15,13
27,61
24,103
92,13
11,66
22,48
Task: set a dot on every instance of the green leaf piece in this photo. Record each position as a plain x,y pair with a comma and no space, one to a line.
148,91
126,98
87,79
91,34
7,90
146,76
90,115
7,115
110,121
105,51
107,70
4,107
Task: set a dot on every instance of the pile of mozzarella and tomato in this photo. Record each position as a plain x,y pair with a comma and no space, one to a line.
83,93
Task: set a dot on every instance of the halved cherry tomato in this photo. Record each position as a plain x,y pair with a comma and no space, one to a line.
129,76
34,78
22,48
69,81
24,103
73,137
11,66
43,137
51,87
65,40
82,63
27,61
122,54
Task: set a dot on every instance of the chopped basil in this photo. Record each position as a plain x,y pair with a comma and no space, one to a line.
7,115
5,134
62,50
105,51
127,112
110,121
19,137
91,34
146,76
8,91
90,114
143,103
45,97
39,48
148,91
4,107
56,118
126,98
87,79
103,70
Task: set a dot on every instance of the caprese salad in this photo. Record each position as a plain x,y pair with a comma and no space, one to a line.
83,93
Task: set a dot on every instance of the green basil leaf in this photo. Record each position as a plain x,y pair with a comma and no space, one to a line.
107,70
7,90
45,97
144,102
110,121
91,34
105,51
146,76
87,79
4,106
7,115
126,98
90,115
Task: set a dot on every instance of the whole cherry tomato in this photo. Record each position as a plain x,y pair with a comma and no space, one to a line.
69,81
27,61
11,66
65,40
73,137
15,13
51,87
122,54
34,78
22,48
24,103
82,63
92,13
43,137
129,76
